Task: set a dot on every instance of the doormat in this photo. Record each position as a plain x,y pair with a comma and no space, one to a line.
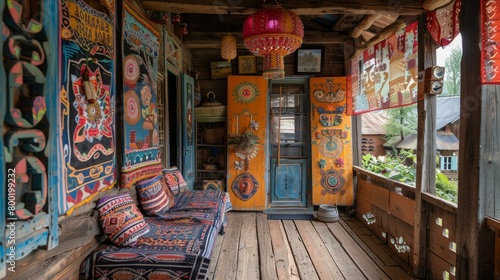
290,217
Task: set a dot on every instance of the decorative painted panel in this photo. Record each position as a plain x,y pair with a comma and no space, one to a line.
141,155
386,74
490,36
29,196
87,104
289,182
246,112
331,143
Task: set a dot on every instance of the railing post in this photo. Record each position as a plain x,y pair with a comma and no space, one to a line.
426,152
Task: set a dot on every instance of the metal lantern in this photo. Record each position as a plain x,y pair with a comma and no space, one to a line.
273,32
228,47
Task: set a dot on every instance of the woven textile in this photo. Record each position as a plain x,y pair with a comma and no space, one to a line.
174,180
153,197
385,75
178,245
141,155
87,128
121,220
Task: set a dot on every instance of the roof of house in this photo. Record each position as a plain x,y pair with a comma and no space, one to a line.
445,141
448,111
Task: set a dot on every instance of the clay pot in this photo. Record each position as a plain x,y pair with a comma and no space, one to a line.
328,213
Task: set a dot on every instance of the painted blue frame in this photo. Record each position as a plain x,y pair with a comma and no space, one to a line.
3,179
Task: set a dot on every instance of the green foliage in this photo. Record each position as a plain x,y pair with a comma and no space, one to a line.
392,167
453,72
401,167
402,122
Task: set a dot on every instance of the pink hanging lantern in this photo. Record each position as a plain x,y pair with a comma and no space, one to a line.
273,32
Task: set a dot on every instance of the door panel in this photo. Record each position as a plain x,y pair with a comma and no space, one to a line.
331,138
290,181
187,151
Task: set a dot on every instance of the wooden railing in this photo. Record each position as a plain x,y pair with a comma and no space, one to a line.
495,225
387,207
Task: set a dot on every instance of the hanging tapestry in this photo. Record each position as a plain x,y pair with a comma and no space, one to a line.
443,23
87,104
490,36
385,75
331,146
141,158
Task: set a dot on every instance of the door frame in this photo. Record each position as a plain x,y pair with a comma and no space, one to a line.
307,146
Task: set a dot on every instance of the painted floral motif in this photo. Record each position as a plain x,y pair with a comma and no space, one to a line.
322,163
339,162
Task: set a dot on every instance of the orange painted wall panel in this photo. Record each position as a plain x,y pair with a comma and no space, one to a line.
246,105
331,143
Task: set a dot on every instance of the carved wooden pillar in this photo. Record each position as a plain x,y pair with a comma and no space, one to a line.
30,218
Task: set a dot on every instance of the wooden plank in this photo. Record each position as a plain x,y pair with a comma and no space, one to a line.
426,150
304,263
300,7
402,207
266,256
340,257
285,265
323,262
374,194
474,260
439,202
375,249
229,251
67,265
381,181
363,25
248,250
382,253
441,235
380,233
439,268
369,268
398,228
214,260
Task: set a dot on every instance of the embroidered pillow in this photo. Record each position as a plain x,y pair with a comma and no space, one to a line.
174,180
121,220
153,196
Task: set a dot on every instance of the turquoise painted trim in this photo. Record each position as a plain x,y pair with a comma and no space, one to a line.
454,163
307,146
3,179
188,147
51,24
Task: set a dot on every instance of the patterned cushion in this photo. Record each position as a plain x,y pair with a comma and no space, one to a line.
174,180
153,196
121,220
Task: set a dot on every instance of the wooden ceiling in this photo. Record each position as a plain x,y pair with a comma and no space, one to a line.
325,22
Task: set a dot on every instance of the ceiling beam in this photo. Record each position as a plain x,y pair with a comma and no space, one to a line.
211,40
219,7
363,25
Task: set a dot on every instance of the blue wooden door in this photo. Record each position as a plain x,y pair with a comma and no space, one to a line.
289,181
187,127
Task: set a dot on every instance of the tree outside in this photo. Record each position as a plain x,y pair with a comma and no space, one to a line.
402,122
452,75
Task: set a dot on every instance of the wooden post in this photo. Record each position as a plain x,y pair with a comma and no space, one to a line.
473,250
350,47
426,153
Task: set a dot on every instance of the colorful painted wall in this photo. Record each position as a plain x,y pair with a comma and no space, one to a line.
247,142
331,142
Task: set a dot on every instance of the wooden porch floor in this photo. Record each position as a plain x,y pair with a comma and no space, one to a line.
254,247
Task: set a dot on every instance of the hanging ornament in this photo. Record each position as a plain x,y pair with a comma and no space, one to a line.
228,47
443,23
184,29
273,32
176,18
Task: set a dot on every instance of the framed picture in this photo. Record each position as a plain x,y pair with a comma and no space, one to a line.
309,60
247,64
220,69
